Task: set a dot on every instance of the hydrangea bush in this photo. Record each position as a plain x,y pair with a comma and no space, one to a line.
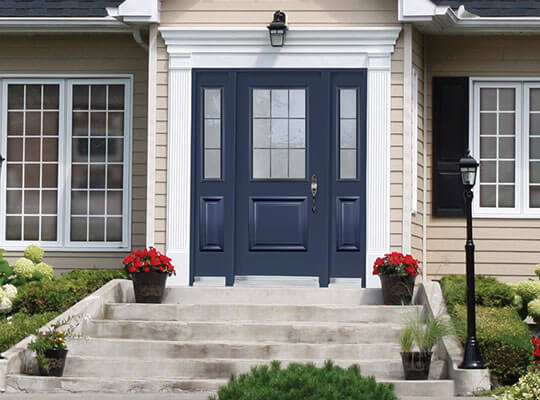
34,253
24,268
31,267
528,387
7,294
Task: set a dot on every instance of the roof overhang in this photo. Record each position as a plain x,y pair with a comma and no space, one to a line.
136,12
14,25
433,19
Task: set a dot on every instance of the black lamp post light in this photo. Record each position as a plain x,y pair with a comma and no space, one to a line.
278,29
472,358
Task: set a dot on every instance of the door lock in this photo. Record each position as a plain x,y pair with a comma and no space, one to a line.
314,188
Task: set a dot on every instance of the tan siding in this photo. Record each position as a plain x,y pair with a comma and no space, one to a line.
396,149
161,146
417,220
506,248
259,12
90,54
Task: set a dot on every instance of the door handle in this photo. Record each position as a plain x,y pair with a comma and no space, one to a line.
314,189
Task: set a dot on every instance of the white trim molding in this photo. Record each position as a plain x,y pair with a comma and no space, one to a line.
136,11
307,47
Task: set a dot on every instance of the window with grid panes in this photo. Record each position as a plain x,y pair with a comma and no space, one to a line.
66,169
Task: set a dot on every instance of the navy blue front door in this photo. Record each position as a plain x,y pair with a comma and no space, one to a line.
279,173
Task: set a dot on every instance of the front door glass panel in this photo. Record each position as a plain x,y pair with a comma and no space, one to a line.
279,133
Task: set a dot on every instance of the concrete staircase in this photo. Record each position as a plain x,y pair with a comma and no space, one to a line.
201,335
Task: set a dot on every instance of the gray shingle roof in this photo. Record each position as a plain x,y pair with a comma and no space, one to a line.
496,8
55,8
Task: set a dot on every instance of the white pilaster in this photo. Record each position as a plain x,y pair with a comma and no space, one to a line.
179,173
378,169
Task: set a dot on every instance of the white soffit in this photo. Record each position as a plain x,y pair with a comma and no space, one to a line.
433,19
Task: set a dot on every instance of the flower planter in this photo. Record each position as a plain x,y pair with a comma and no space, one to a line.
149,286
416,365
56,360
397,289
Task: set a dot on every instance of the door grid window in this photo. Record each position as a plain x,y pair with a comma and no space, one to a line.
279,133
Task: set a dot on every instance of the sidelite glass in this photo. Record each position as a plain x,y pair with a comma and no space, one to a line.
497,147
97,163
32,162
348,133
212,134
279,133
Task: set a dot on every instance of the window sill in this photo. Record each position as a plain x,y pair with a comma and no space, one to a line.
64,249
505,216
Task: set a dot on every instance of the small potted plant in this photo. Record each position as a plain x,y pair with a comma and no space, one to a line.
397,273
417,340
149,269
51,348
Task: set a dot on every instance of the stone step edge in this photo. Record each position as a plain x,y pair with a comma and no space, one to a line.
330,305
251,322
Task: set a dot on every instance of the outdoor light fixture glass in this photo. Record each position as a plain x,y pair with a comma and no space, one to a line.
468,166
278,29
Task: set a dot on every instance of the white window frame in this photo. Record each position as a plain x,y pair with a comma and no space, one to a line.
66,82
521,209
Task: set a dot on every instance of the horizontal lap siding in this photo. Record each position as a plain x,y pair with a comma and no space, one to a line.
300,13
90,54
417,220
506,248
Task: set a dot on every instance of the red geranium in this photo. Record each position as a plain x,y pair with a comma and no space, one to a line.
396,263
146,260
536,343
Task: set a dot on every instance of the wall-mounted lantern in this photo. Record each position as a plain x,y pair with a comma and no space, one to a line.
278,29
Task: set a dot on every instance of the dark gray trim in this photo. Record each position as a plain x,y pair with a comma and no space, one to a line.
496,8
56,8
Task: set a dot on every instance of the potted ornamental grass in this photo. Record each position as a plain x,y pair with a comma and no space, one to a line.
51,348
149,269
417,340
397,273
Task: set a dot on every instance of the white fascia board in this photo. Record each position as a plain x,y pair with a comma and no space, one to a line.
61,25
136,11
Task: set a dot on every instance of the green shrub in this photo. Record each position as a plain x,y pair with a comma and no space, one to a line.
528,387
305,382
61,293
489,291
528,290
537,270
19,326
505,341
48,296
93,279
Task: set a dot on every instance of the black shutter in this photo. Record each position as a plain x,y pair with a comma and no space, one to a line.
450,142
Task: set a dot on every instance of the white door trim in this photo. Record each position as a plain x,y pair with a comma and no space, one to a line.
248,47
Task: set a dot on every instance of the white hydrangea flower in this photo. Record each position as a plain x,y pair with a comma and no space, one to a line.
45,270
24,268
10,290
5,305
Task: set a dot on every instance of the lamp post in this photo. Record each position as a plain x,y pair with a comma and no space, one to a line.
472,358
278,29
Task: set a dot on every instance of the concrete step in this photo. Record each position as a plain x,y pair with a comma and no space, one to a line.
210,368
118,348
259,312
200,388
442,389
292,332
264,295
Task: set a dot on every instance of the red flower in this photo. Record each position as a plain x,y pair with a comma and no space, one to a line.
375,270
379,262
146,269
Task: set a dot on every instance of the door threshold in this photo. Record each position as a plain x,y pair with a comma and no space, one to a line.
276,281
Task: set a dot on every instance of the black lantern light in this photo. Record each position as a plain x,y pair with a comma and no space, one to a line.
278,29
472,359
468,167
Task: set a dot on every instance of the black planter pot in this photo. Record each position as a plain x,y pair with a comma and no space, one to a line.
416,365
397,289
149,286
57,362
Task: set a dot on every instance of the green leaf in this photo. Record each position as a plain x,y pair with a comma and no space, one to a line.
5,268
